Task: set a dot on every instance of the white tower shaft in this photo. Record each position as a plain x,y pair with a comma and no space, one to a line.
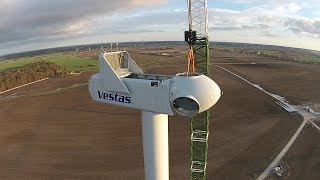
155,145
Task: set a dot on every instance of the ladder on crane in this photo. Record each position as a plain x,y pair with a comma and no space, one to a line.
197,38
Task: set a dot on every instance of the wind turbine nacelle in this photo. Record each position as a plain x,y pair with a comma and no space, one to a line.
121,82
193,94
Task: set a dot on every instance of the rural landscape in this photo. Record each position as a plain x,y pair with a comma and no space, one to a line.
52,129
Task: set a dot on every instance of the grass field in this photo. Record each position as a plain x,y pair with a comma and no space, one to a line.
71,62
269,52
307,58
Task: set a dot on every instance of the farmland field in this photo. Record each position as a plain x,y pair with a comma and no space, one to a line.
69,61
53,130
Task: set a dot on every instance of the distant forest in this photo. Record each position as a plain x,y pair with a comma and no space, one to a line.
29,73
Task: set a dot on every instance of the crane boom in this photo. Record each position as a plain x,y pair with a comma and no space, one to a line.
197,38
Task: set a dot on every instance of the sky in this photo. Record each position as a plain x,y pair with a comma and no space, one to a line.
36,24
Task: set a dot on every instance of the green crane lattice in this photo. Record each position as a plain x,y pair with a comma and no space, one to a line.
197,38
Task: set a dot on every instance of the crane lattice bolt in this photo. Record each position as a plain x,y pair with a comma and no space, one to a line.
121,82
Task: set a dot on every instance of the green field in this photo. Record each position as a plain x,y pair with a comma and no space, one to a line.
269,52
308,58
305,58
71,62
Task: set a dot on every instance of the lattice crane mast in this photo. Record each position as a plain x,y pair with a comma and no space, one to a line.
197,39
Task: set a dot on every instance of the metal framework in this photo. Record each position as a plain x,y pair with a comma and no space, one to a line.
199,127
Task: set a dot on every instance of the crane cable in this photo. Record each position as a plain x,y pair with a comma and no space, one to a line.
190,60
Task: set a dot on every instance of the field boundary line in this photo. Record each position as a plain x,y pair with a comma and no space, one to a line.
23,85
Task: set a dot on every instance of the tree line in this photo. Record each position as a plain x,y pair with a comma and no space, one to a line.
30,73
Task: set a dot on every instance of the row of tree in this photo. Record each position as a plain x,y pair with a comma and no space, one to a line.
30,73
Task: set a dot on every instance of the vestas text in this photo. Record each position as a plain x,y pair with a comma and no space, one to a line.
114,97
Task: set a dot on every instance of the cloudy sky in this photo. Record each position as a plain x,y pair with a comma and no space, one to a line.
35,24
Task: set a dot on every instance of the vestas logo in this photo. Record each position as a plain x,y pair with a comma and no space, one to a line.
114,97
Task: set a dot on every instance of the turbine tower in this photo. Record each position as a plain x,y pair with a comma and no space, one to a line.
198,41
111,44
117,46
121,82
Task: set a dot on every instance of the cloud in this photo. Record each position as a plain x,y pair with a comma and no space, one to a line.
242,1
268,34
294,7
25,19
276,17
227,28
134,31
306,27
156,18
227,20
39,23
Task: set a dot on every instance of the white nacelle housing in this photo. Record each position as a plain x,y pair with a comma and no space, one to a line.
190,95
121,82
